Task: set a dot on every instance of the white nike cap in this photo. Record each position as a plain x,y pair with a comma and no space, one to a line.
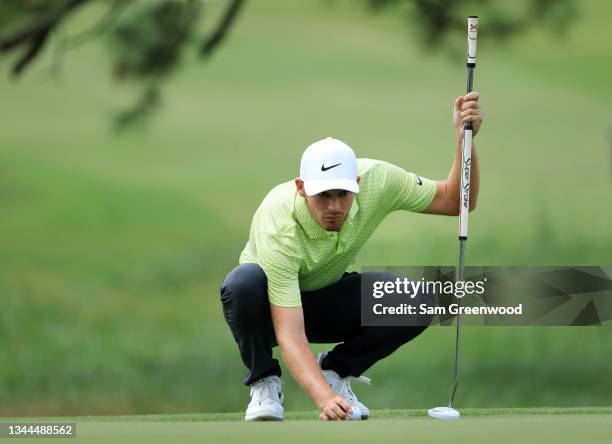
329,164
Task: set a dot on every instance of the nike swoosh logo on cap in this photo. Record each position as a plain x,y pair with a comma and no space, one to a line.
324,168
420,182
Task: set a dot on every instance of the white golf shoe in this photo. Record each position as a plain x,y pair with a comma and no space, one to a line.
266,400
342,386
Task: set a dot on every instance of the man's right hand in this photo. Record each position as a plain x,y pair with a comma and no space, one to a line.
291,336
336,408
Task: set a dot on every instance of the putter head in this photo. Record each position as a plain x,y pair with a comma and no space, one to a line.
446,413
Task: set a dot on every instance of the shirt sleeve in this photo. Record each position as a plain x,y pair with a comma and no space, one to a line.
281,264
407,191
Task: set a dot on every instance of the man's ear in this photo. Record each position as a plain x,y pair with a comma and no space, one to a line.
299,186
358,179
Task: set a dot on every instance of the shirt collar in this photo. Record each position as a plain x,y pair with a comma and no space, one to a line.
310,226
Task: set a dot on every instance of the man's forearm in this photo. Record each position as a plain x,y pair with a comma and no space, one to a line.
454,177
301,363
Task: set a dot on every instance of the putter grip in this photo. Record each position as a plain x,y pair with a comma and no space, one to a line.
472,39
466,171
466,151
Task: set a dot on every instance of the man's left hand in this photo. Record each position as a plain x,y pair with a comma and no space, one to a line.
467,109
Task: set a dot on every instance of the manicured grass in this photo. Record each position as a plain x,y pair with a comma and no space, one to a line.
554,425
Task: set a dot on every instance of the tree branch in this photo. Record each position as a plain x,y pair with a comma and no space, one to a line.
25,35
37,43
37,35
226,22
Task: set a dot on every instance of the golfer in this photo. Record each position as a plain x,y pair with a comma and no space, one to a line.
292,287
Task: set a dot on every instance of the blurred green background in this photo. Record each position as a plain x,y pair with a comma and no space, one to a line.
112,247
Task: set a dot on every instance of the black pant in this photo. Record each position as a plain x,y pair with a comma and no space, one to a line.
331,314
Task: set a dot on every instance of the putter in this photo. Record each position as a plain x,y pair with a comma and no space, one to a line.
466,160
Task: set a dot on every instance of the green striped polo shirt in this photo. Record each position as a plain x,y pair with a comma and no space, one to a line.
296,253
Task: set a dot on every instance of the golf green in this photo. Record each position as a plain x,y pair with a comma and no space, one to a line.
585,425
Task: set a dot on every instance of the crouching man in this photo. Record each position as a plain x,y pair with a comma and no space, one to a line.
292,287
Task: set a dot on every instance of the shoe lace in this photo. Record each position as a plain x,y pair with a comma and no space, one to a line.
266,389
344,388
362,378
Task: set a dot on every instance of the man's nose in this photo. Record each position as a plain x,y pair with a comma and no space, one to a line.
333,205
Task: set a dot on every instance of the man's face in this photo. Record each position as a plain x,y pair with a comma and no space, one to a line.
328,208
